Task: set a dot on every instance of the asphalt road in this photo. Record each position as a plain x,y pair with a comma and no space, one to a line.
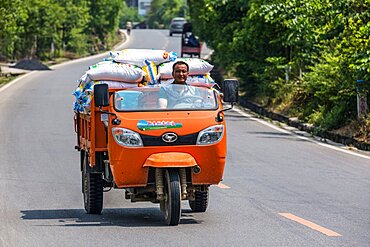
279,189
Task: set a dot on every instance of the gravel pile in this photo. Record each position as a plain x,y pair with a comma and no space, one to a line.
30,64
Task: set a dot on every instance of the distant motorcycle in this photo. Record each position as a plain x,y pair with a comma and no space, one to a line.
190,44
128,27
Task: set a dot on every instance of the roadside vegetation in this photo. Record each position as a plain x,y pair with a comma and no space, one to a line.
162,11
298,57
129,14
48,29
5,79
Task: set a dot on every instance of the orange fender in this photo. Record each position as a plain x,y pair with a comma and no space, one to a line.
170,159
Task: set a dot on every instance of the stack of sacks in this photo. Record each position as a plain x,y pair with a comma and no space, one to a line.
84,91
123,69
199,71
116,75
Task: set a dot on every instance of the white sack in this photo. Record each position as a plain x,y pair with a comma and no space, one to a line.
105,62
196,67
116,72
117,84
138,56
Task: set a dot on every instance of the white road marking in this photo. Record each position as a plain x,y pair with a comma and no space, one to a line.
222,186
298,136
16,80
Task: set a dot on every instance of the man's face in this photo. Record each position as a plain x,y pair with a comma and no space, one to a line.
180,73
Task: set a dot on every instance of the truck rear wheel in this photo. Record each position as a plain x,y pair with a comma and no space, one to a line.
201,201
92,188
171,206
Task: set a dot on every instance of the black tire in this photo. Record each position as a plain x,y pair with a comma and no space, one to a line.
92,189
171,206
170,34
200,203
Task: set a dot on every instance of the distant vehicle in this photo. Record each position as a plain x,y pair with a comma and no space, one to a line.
190,44
140,25
176,25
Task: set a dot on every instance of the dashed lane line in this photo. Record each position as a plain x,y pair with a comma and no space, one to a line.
311,225
222,186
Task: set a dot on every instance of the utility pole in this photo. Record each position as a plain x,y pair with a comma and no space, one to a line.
361,88
186,8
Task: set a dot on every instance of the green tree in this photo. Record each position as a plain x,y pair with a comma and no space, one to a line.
41,28
73,34
162,11
13,15
239,47
104,22
344,59
129,14
47,28
310,51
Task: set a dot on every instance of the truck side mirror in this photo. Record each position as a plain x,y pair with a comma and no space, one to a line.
101,95
230,90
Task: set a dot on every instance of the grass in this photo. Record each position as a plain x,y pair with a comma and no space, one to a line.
5,79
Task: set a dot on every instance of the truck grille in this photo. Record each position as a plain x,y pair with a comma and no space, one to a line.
148,141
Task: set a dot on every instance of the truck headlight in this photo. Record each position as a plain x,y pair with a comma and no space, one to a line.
127,138
210,135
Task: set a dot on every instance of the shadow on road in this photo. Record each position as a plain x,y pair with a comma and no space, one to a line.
123,217
279,135
236,117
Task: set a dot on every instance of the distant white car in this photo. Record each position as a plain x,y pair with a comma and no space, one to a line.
176,25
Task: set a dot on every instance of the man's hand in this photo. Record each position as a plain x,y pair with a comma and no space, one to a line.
162,102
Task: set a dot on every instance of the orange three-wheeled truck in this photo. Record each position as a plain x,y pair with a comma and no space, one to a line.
157,155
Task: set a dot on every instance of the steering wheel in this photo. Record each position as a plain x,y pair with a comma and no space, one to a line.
189,99
195,101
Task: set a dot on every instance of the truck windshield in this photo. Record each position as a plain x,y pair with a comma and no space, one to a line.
167,97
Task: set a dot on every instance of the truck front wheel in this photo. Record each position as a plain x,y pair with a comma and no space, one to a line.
171,206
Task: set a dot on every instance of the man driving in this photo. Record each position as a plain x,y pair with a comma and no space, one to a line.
178,91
